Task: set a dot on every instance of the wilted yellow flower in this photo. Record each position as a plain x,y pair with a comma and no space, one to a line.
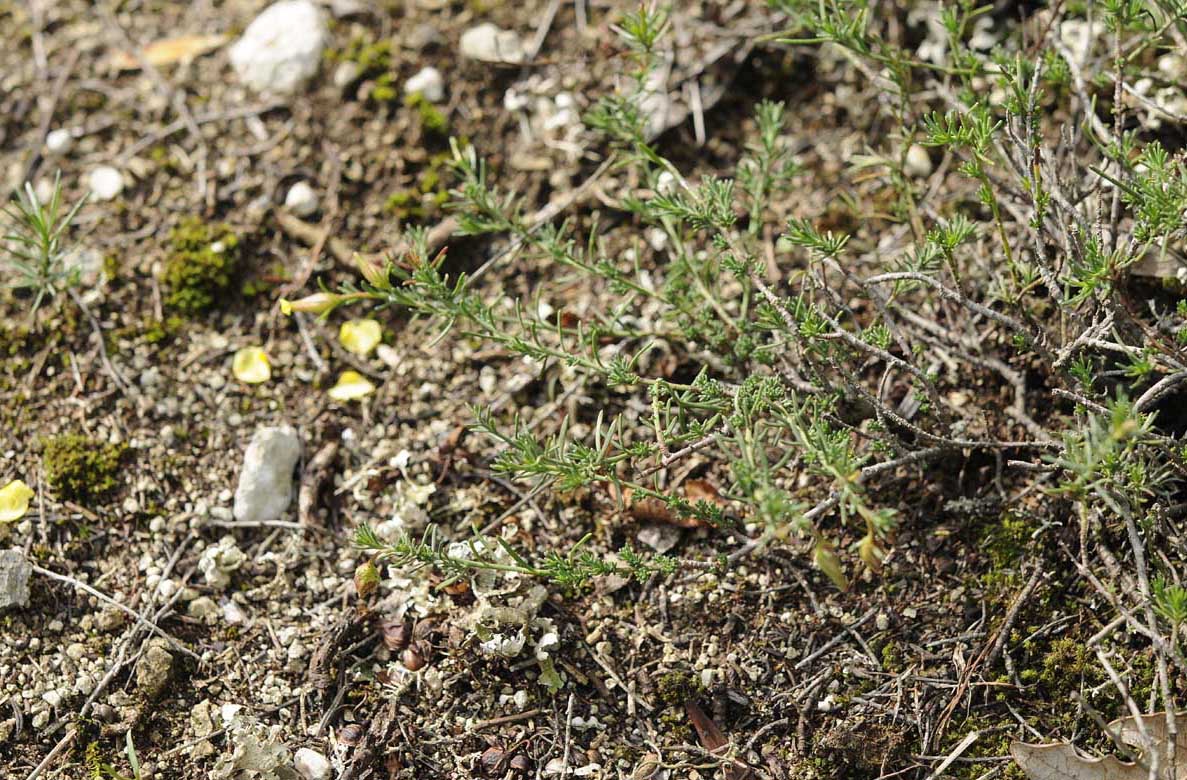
14,501
360,336
251,365
351,386
827,561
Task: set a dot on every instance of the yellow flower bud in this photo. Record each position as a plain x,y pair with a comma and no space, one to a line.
318,303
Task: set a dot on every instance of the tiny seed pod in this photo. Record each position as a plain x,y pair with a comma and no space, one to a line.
366,579
413,658
457,589
105,713
492,760
396,634
350,734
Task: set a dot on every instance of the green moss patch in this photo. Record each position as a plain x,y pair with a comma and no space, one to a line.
201,266
80,468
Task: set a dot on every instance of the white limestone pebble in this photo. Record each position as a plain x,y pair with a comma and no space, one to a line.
105,182
428,82
58,141
488,43
301,199
266,481
918,164
311,765
282,47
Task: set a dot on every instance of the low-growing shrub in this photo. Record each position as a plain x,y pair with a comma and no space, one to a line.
993,315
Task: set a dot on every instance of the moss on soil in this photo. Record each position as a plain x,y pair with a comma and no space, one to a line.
202,263
80,468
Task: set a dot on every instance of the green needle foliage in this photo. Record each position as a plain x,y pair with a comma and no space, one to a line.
819,362
33,247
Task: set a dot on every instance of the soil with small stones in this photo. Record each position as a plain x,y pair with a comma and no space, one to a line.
802,680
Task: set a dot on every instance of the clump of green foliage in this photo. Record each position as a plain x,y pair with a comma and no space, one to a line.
201,265
33,247
998,322
80,468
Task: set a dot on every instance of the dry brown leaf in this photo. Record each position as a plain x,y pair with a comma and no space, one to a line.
169,51
713,739
702,490
1061,760
654,510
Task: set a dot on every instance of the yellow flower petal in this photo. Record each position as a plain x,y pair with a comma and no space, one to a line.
251,366
360,336
351,387
14,501
286,307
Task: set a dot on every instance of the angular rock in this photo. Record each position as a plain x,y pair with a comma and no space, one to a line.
15,572
266,481
281,48
153,672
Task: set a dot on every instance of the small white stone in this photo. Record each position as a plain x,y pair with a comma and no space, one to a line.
227,713
311,765
233,613
76,650
52,698
266,481
346,74
428,82
390,357
281,48
301,199
167,588
44,190
105,182
918,163
488,43
58,141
